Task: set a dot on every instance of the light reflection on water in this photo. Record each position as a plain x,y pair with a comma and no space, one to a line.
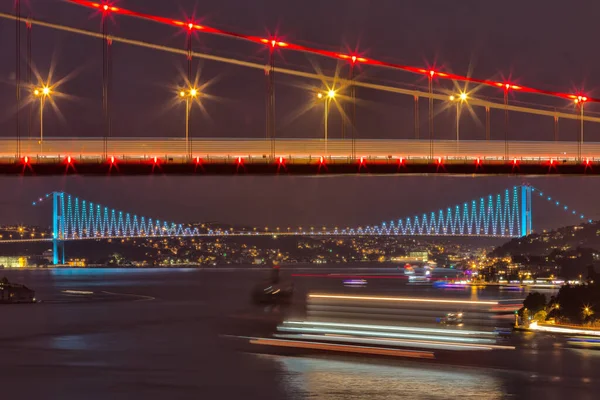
317,378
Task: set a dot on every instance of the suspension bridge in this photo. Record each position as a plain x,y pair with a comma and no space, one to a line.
114,153
507,214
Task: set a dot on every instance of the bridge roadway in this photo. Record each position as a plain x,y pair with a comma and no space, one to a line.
57,156
221,234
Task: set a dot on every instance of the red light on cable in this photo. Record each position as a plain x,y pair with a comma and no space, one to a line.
112,159
321,160
197,160
439,160
478,161
551,161
515,162
362,160
401,160
431,73
280,160
155,159
240,160
69,160
26,160
587,161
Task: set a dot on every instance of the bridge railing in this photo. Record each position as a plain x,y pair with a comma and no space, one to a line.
290,148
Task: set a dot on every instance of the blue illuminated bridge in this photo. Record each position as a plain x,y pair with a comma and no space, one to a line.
507,215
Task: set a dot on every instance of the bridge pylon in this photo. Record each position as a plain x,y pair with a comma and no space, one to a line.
58,245
525,203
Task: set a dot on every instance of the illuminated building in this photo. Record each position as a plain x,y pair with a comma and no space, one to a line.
14,262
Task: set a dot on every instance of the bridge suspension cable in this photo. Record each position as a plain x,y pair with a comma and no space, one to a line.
497,215
354,58
309,75
507,214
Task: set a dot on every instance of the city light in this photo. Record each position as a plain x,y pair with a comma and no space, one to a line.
557,329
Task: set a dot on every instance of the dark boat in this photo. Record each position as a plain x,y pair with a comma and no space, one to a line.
12,293
273,291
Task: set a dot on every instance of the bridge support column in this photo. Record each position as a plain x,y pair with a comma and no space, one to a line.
526,227
58,247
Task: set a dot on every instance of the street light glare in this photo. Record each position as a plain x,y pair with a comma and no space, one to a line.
320,95
193,92
182,94
331,93
36,92
46,91
463,96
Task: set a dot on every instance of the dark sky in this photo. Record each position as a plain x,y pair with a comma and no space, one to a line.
548,44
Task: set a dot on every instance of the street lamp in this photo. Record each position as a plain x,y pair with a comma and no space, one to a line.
461,98
42,93
188,95
328,96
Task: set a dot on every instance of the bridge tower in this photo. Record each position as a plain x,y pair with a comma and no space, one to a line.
526,227
58,246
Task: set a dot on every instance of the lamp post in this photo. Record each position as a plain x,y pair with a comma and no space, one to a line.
188,95
328,96
42,93
462,97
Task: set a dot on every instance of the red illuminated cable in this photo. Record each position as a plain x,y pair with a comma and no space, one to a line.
325,53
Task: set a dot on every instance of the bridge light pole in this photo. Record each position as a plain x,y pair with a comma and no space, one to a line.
42,92
189,96
462,97
328,96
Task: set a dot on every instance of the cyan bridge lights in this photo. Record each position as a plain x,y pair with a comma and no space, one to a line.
502,217
581,216
77,219
508,214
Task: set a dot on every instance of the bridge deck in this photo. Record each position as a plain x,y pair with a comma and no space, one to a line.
140,155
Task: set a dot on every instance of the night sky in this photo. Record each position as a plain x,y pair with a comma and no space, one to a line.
545,44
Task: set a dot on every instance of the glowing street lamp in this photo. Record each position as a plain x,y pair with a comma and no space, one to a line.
328,96
461,98
189,95
42,92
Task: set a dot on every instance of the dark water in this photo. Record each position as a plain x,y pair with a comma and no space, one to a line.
157,334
